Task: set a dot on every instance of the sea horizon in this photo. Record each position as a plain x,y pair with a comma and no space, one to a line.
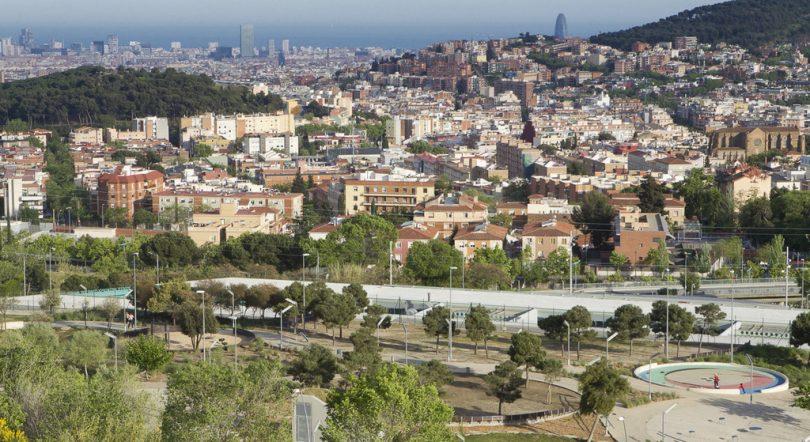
305,35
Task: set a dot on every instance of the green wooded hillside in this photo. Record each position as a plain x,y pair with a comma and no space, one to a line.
748,23
94,95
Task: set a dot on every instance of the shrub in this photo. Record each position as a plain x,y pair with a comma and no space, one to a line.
148,353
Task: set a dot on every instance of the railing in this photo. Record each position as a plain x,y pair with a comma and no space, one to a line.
704,283
515,418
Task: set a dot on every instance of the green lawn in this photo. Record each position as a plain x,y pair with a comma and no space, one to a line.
517,437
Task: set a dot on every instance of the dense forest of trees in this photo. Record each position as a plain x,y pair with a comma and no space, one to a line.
748,23
98,96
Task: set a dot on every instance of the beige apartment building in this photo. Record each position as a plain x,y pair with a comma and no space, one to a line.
744,183
451,212
87,135
370,191
231,220
289,205
479,236
236,126
547,235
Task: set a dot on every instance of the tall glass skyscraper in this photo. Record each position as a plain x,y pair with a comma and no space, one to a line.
246,40
561,28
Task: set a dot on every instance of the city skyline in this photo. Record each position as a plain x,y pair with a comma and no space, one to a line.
323,24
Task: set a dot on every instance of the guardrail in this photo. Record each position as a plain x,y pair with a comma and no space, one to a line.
704,283
514,419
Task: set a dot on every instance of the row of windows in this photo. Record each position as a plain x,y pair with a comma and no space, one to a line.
562,241
393,190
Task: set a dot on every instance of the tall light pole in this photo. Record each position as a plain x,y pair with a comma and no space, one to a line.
787,270
571,263
405,329
157,266
50,269
304,291
390,262
663,422
202,294
233,309
624,424
281,322
379,323
115,344
731,352
135,288
666,332
751,382
68,212
235,344
607,345
685,272
450,322
568,348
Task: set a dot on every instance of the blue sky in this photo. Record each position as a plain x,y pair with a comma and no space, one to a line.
346,19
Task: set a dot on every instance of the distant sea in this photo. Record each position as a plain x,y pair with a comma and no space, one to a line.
402,36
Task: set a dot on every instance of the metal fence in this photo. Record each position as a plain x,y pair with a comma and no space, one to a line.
515,419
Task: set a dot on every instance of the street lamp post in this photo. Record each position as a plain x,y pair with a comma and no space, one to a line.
115,346
624,424
233,309
685,272
751,382
135,289
568,348
157,266
304,291
202,294
787,271
571,264
281,324
666,331
85,304
450,324
50,269
731,352
663,422
235,344
378,327
405,329
607,345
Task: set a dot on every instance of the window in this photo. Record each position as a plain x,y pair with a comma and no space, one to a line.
354,198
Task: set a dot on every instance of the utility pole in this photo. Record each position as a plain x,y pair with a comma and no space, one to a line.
390,262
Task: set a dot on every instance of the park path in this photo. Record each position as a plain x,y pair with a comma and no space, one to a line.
697,417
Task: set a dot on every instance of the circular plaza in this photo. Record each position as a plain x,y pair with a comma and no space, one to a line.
714,377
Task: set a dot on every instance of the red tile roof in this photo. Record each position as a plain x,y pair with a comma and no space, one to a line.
482,232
